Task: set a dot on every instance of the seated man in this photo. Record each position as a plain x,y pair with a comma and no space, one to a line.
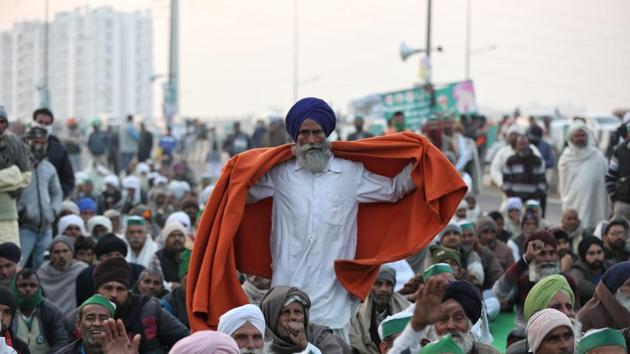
589,268
286,312
71,225
539,261
492,269
610,305
141,314
58,275
391,328
487,233
451,237
89,321
172,240
10,255
39,321
246,324
107,246
381,302
554,292
8,306
150,283
175,301
549,331
605,340
446,308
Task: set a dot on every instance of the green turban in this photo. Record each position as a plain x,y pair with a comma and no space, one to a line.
100,300
601,338
446,344
542,293
437,268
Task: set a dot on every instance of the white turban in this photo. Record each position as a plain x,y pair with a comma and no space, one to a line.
160,180
542,323
69,205
142,168
70,220
133,182
179,188
515,128
180,217
99,220
168,229
112,180
232,320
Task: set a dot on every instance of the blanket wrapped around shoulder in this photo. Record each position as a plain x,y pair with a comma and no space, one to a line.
233,235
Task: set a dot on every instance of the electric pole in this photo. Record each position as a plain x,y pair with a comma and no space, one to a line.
171,89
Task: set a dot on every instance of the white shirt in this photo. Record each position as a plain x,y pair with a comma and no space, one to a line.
314,223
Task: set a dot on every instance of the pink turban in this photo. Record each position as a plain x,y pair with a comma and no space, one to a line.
206,342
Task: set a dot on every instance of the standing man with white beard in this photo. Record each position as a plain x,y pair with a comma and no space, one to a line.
540,260
581,172
315,202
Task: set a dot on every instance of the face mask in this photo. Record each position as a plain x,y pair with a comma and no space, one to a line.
48,128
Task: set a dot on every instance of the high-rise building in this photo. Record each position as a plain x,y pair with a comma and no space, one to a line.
100,63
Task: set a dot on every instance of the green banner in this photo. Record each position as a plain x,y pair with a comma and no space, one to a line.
455,98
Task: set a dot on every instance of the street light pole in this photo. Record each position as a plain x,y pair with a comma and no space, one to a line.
467,74
44,92
428,46
295,50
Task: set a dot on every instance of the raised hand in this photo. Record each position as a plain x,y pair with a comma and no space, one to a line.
115,340
429,303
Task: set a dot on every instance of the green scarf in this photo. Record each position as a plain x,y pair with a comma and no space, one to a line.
24,302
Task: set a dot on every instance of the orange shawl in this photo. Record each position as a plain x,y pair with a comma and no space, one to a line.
233,235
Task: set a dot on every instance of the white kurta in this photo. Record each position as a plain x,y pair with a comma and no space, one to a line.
146,253
314,223
582,186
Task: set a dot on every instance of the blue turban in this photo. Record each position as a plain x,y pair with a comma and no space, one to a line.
310,108
616,276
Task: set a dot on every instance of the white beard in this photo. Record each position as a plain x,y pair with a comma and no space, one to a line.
539,271
313,157
464,340
623,299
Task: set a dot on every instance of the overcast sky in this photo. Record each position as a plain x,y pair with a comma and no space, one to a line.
236,56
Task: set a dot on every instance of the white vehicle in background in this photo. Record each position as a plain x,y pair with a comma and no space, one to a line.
602,126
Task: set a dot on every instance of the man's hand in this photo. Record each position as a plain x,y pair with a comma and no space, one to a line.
429,303
297,334
533,250
115,340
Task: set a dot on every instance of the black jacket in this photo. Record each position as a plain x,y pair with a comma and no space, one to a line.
58,156
51,325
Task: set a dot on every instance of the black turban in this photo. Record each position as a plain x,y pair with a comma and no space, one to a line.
466,295
586,243
10,251
110,243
